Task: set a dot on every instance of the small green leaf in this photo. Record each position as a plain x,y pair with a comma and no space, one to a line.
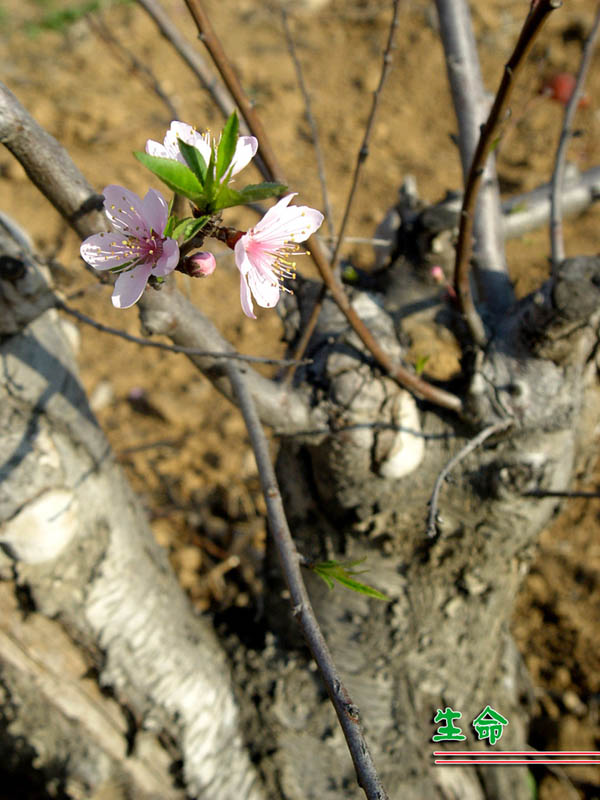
189,227
194,159
343,573
227,145
228,197
177,176
210,189
421,364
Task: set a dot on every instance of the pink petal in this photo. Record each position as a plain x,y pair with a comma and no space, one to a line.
155,210
291,224
265,291
125,211
130,286
241,257
107,251
246,298
245,150
168,260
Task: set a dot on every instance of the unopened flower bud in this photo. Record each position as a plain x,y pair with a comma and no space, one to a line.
201,264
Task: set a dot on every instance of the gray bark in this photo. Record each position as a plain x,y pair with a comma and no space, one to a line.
103,596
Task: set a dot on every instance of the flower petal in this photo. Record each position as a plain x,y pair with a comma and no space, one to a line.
246,298
130,286
155,210
168,260
245,150
107,251
264,289
156,149
125,211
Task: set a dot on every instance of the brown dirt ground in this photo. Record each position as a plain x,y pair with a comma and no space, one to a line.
185,449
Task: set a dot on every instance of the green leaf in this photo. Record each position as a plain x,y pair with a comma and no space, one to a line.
421,364
177,176
194,159
227,197
227,145
210,189
343,573
188,228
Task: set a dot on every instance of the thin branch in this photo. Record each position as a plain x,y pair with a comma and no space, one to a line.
472,444
231,80
409,380
402,375
167,312
131,61
364,148
173,348
49,167
190,55
526,212
471,106
556,236
490,131
347,712
311,120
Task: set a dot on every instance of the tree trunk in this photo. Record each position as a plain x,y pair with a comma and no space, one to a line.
363,492
107,677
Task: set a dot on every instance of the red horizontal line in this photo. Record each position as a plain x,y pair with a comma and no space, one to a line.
515,762
531,753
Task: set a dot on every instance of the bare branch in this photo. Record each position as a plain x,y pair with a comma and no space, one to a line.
556,237
364,148
167,312
190,55
173,348
132,62
471,105
214,47
526,212
402,375
490,131
347,712
472,444
311,120
49,167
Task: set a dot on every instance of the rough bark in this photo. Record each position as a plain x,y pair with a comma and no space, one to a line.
363,491
102,599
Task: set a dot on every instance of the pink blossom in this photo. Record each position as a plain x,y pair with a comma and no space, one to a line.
137,247
244,152
201,264
263,253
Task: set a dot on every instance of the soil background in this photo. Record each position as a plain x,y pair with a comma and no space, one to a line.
184,447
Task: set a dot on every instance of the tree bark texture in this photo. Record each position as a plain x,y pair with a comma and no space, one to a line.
106,674
108,679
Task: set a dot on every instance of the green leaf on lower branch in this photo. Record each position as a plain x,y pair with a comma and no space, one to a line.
343,573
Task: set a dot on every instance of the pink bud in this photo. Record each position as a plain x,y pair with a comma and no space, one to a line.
437,273
201,264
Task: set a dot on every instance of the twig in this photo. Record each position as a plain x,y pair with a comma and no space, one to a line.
544,493
401,375
471,106
231,80
490,131
172,348
347,712
131,60
472,444
526,212
189,54
405,378
311,120
560,161
364,148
